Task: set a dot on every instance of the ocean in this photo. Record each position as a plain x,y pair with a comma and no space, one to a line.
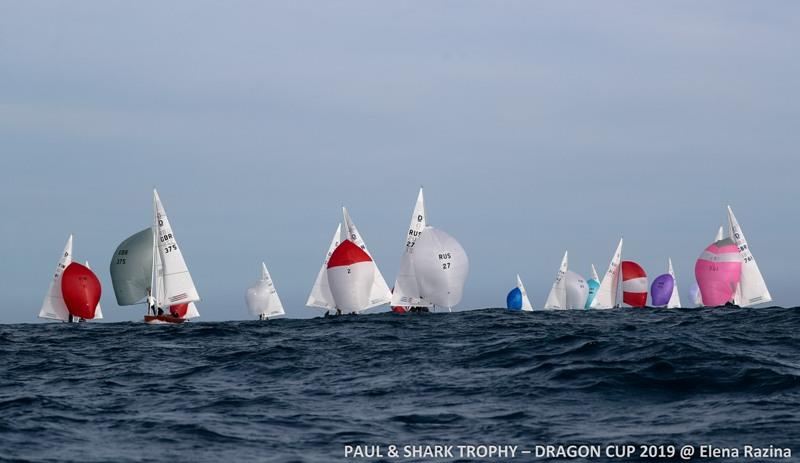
303,390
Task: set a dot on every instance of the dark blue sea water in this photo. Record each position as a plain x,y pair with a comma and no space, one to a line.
300,390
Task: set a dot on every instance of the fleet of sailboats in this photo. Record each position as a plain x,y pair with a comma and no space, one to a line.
149,268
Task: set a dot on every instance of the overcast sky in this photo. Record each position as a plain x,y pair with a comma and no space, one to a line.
535,127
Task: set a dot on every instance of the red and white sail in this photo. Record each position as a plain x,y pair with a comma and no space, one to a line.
379,292
606,297
53,306
634,284
351,273
406,289
321,296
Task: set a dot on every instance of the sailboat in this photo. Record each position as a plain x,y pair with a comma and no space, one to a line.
752,289
349,280
262,298
406,290
148,267
74,291
517,298
606,297
441,267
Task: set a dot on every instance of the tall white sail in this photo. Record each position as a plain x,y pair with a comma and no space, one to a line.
675,298
720,235
526,303
380,292
321,292
98,312
752,289
557,298
262,297
606,297
441,266
53,306
178,285
406,290
594,274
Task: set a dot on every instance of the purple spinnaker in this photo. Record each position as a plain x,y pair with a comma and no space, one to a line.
661,290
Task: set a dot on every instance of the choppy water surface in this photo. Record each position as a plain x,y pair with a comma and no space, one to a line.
298,390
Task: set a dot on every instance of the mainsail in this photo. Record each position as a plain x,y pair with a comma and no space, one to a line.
262,298
379,291
53,306
406,290
178,285
752,289
606,297
321,293
675,298
557,298
441,266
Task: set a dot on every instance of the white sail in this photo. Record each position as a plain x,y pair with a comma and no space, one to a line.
720,235
752,289
262,297
675,298
577,290
594,274
380,293
53,306
441,266
557,298
178,285
98,312
321,293
606,297
406,289
526,303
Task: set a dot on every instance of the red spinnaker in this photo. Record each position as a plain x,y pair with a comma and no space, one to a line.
81,290
634,284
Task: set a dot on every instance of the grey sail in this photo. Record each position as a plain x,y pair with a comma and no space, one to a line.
132,267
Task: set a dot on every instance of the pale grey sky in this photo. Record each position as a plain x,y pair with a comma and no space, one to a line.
534,127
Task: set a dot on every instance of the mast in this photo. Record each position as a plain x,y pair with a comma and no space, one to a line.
153,276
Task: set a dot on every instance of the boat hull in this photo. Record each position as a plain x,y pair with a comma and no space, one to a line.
163,320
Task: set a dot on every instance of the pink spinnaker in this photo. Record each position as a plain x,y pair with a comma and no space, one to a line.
718,271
